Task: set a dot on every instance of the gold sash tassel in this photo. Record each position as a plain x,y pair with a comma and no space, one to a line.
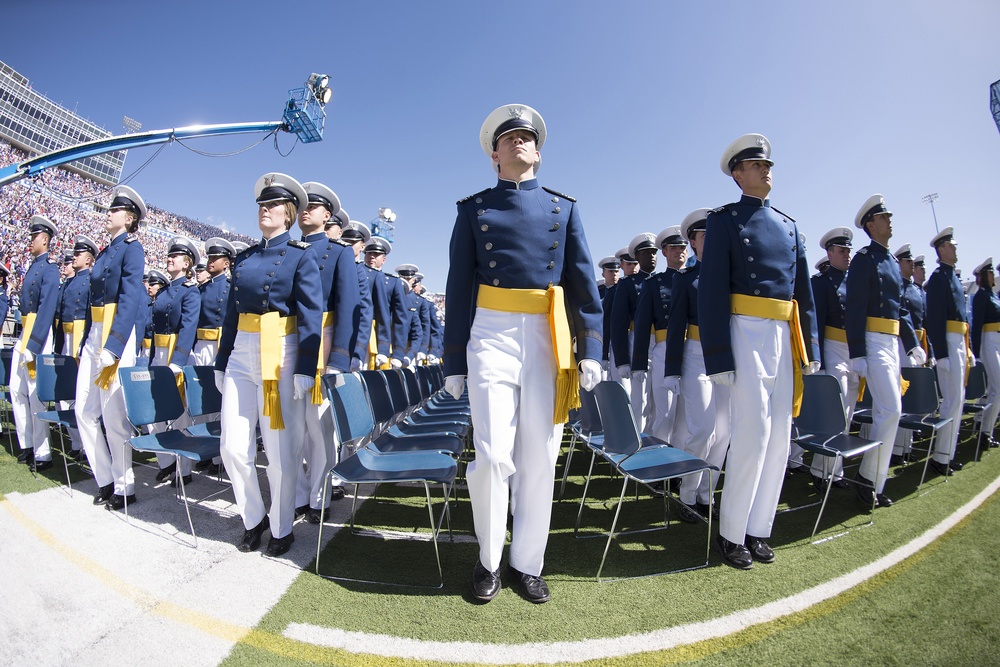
693,332
106,316
27,326
272,328
959,327
324,352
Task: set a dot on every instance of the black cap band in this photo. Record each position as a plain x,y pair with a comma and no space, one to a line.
219,251
943,239
905,255
674,239
699,226
645,245
124,202
275,193
318,199
510,126
179,249
872,212
838,240
35,229
752,153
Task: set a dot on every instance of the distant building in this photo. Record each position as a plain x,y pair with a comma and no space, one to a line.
37,125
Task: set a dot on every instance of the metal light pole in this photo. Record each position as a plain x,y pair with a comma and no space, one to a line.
929,199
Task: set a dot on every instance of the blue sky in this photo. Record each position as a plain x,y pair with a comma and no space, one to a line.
640,99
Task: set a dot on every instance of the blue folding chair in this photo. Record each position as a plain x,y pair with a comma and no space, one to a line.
55,380
6,417
975,401
151,397
203,398
354,423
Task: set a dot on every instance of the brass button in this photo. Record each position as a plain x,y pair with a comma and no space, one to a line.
746,241
749,259
489,246
555,244
479,200
555,227
496,281
556,209
480,212
485,227
555,200
552,264
493,263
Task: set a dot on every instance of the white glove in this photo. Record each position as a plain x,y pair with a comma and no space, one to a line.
604,365
106,359
27,356
455,385
932,362
219,377
590,374
407,362
859,366
421,356
303,385
917,356
673,383
330,370
810,368
639,376
727,379
944,364
432,359
625,371
381,360
395,363
175,369
972,360
355,364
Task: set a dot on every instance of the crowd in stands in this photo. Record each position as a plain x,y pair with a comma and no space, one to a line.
76,204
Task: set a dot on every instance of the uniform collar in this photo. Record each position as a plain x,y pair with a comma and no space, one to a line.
529,184
41,258
642,274
835,272
80,273
946,267
312,238
277,240
179,280
221,276
875,245
750,200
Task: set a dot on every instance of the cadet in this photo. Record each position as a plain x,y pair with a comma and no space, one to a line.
517,248
155,281
912,301
336,225
947,327
830,294
609,267
986,345
754,281
651,314
357,235
427,323
116,304
338,280
214,297
175,314
201,273
266,366
4,298
706,404
39,301
623,336
874,319
417,334
391,313
822,266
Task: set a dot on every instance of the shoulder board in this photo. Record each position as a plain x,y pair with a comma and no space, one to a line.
343,243
783,213
51,260
863,251
391,274
720,209
558,194
191,283
131,238
481,192
301,245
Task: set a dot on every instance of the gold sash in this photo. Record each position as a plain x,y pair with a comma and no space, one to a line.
272,327
549,302
956,326
106,316
786,311
992,326
693,332
27,325
209,334
833,333
882,325
661,335
324,352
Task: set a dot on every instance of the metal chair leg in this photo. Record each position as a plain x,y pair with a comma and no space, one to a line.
583,498
614,523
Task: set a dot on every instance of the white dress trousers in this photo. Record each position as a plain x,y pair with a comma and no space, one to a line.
761,403
71,342
989,354
204,353
242,409
662,407
510,358
838,364
706,416
904,438
320,448
952,384
32,432
883,383
111,458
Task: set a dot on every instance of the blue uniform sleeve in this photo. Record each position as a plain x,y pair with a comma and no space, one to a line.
48,300
344,303
4,306
715,297
307,292
806,303
937,315
398,305
580,289
677,323
424,310
643,324
228,338
821,294
187,333
859,287
460,296
980,300
364,314
609,299
621,318
131,296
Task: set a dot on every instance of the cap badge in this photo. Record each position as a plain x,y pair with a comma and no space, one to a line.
761,141
268,180
515,112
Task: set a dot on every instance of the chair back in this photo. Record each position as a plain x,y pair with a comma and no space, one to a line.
151,395
620,434
436,373
866,399
203,397
822,410
975,388
378,394
413,391
55,378
921,398
426,381
394,382
6,356
590,417
351,413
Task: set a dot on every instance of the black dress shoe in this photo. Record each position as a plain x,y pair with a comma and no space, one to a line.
819,484
688,514
27,456
956,466
251,537
166,472
39,466
337,493
796,469
864,489
841,483
202,465
883,500
733,554
485,584
941,468
532,588
703,509
176,484
313,515
117,502
278,546
759,549
301,510
896,460
104,494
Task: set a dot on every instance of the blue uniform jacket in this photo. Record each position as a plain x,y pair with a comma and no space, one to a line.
391,323
276,275
116,277
683,311
176,310
340,294
623,314
74,304
875,289
40,295
415,338
214,297
144,328
753,249
985,310
437,333
424,312
364,315
4,305
830,293
913,301
651,313
945,301
519,236
607,303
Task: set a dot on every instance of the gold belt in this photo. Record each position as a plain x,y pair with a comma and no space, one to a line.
992,326
787,311
661,335
552,303
168,341
833,333
324,352
693,332
882,325
272,327
209,334
956,326
147,343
